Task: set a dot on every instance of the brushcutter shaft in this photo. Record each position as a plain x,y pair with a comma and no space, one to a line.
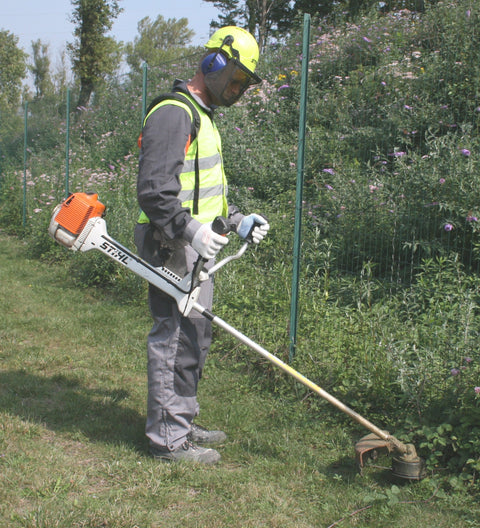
399,446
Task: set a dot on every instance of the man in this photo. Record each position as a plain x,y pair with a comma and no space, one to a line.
181,189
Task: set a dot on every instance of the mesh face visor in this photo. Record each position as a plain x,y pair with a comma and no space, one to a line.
229,83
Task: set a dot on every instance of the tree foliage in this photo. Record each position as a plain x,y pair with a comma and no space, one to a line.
268,19
261,18
158,41
13,69
94,54
40,68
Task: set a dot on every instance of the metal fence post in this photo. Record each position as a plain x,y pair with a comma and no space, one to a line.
67,148
25,138
299,188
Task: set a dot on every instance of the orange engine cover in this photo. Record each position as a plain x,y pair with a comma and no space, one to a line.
77,210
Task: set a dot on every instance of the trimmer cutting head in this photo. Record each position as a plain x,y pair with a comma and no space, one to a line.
406,463
405,468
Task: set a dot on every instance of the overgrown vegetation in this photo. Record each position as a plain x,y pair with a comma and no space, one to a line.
389,286
73,453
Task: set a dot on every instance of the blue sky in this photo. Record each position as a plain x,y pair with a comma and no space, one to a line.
48,20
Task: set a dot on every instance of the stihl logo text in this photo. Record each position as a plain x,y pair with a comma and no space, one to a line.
114,252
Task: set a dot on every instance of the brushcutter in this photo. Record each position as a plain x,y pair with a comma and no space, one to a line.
78,224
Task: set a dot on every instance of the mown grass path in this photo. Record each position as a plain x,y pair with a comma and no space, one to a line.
72,448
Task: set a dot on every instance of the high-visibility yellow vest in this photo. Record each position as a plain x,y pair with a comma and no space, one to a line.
203,181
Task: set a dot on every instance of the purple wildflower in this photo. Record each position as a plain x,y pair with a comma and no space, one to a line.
471,218
284,86
441,181
465,152
448,227
454,372
477,390
330,171
329,187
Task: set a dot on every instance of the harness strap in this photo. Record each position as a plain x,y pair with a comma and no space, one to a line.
196,190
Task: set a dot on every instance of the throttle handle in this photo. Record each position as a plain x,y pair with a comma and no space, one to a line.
222,226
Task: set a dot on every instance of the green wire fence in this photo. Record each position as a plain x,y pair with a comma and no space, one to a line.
364,136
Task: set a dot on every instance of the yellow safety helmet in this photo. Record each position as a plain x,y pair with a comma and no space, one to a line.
238,44
230,67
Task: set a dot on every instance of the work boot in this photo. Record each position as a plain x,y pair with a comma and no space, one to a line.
200,435
188,452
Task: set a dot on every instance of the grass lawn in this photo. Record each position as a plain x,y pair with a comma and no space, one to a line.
73,452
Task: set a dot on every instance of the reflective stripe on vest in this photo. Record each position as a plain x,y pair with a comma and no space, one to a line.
212,189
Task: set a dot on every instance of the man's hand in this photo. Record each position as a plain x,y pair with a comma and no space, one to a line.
253,227
207,243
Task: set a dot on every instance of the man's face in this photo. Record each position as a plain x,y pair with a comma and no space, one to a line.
235,88
227,84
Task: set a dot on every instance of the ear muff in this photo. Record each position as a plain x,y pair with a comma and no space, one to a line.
213,62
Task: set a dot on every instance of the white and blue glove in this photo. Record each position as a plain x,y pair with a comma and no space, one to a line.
207,243
253,227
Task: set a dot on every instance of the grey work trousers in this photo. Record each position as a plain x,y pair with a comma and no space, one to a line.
177,347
